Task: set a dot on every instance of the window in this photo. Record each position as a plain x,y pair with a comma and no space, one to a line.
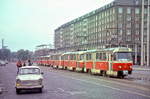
145,2
128,18
29,71
129,10
120,10
137,11
128,32
120,25
104,56
74,57
128,38
145,10
120,56
101,56
128,25
88,56
120,32
82,57
136,2
136,26
113,10
98,56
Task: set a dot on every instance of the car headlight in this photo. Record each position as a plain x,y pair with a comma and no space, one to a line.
18,82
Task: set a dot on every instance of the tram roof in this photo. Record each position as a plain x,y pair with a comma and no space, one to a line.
79,52
118,49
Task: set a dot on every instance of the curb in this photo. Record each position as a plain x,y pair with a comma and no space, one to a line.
141,69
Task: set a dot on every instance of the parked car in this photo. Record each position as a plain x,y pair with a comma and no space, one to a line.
2,63
29,77
6,62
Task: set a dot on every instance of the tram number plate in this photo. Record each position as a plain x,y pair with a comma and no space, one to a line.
125,72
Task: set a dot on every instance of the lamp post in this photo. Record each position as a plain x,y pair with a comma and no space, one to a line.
148,35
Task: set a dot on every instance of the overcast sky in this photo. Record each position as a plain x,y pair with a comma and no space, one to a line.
24,24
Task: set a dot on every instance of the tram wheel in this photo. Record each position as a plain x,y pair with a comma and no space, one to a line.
89,71
104,74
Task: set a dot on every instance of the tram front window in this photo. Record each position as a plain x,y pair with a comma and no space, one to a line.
123,56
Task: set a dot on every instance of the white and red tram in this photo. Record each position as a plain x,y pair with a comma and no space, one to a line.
108,62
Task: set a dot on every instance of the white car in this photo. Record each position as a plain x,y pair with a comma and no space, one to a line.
29,77
2,63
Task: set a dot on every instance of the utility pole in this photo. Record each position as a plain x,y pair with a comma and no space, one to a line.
2,43
148,35
142,38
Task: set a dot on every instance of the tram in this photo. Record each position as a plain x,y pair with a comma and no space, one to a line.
107,62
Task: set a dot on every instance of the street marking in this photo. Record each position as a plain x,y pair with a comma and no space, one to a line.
72,92
108,86
61,89
114,82
141,88
130,92
76,92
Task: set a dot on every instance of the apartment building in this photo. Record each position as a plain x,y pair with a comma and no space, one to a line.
120,23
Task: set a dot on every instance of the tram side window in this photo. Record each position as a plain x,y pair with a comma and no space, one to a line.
65,57
52,57
74,57
82,57
104,56
62,58
55,58
88,57
99,56
71,57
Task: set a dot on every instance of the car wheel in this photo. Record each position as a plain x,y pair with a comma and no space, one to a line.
18,91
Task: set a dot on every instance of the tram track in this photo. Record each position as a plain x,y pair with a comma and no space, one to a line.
126,82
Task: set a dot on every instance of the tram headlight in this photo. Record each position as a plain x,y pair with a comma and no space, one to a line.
120,66
131,67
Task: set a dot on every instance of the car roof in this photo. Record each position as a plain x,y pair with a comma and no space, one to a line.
30,67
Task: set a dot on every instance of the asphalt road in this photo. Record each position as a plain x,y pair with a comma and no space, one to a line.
62,84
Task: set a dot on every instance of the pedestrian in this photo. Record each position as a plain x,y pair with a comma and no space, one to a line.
29,63
19,64
24,63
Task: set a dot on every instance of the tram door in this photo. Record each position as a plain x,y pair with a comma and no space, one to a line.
109,61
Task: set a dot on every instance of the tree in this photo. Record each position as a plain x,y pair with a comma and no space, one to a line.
24,54
5,54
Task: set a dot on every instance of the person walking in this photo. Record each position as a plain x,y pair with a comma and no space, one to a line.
19,64
29,63
24,63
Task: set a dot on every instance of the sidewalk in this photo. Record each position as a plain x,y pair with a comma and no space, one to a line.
140,74
141,68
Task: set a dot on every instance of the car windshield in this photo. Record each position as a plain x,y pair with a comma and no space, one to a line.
123,56
24,71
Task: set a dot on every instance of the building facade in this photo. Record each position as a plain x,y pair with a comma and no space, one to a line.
120,23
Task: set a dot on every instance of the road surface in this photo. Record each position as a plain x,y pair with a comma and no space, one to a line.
63,84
